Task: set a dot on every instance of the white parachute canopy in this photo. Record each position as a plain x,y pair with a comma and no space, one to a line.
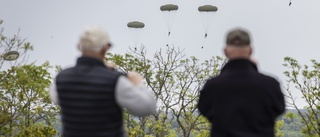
136,28
207,13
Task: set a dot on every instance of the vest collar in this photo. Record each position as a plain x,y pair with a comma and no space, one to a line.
90,61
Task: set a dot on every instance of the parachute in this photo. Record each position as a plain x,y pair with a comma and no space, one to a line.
207,12
11,55
136,28
169,12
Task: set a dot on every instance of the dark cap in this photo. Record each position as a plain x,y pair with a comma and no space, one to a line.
238,37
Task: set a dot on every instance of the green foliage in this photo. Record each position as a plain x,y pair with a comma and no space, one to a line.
204,128
39,129
25,100
305,79
176,81
278,126
14,43
289,124
25,106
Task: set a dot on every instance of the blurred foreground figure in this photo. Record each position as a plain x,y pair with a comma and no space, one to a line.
92,96
241,102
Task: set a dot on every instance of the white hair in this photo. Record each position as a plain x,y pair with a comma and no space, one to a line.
93,38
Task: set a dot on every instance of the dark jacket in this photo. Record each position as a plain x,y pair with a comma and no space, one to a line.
241,102
86,95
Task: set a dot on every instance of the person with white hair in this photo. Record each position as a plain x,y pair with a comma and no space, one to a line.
92,96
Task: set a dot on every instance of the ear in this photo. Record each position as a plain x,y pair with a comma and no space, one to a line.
79,47
104,50
226,51
251,51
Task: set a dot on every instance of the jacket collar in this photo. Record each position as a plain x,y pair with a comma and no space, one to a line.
89,61
239,65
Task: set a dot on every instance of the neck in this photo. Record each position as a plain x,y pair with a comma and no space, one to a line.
239,57
92,55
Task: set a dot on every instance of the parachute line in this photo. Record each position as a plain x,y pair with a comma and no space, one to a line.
169,18
136,28
207,18
207,13
136,33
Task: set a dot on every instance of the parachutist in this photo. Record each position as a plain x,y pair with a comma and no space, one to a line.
168,10
207,11
290,3
135,27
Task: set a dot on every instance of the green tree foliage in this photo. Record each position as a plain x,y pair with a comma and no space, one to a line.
39,129
291,125
278,126
25,106
175,80
25,102
288,124
14,43
306,80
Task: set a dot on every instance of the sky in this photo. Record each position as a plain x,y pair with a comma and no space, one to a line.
277,29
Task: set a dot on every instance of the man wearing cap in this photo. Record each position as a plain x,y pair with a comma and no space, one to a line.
240,101
92,96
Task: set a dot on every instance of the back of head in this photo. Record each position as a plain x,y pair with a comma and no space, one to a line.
238,37
93,38
238,44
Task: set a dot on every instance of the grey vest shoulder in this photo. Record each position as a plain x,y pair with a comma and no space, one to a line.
87,100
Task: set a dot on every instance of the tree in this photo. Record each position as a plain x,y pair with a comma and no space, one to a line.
175,80
25,106
305,79
278,126
286,128
25,102
16,43
290,127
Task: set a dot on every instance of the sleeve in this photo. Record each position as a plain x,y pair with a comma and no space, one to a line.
53,93
279,104
138,100
204,101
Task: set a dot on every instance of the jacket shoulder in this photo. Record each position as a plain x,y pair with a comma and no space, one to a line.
269,79
66,70
213,80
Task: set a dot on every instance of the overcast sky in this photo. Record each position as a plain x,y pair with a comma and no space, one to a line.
277,30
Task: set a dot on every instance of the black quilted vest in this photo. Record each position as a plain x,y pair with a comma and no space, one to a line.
86,95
